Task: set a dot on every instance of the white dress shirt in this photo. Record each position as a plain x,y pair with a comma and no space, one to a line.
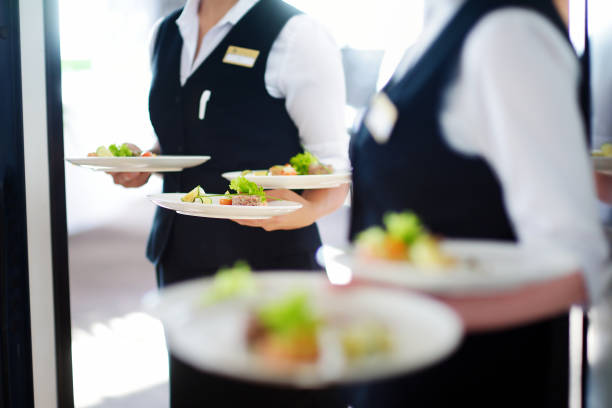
304,67
514,103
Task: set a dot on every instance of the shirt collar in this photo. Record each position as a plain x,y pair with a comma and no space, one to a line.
188,20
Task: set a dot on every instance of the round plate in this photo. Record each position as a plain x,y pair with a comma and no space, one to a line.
172,201
306,182
483,266
141,164
235,217
422,330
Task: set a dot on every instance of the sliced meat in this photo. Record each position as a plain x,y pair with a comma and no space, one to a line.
250,200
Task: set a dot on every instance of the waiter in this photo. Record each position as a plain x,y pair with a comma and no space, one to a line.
250,83
481,134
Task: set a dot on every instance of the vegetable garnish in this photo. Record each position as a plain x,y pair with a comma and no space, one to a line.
196,195
404,226
404,238
288,316
122,151
302,161
231,282
243,186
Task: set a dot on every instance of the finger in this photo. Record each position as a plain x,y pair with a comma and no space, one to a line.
280,193
248,223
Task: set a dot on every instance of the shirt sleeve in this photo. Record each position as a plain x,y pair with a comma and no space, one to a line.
305,68
515,103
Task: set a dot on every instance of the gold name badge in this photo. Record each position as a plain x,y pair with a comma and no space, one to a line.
244,57
381,118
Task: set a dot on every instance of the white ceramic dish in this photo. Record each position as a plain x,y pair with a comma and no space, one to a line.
172,201
212,338
313,181
483,266
139,164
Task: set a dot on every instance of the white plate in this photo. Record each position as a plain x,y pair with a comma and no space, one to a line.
312,181
172,201
146,164
484,266
423,331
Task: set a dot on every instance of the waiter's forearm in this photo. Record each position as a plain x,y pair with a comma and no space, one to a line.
519,307
327,200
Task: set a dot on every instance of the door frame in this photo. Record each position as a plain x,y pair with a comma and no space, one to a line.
35,346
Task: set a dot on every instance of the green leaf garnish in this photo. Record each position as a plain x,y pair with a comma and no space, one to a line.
243,186
122,151
302,161
373,236
404,226
288,315
230,282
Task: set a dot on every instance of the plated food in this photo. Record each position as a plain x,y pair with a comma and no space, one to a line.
478,266
248,202
404,238
288,331
124,150
605,150
247,193
602,158
301,164
293,328
129,158
304,171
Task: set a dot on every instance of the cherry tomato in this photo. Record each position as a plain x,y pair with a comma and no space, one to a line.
225,201
146,154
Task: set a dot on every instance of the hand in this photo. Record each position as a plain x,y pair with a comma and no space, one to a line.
130,180
297,219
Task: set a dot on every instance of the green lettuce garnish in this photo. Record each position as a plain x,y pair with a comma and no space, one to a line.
302,161
230,282
372,237
404,226
243,186
122,151
289,315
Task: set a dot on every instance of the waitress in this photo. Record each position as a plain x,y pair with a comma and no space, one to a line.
481,134
250,83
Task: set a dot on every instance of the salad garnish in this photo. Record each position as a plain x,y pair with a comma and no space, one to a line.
196,195
123,150
243,186
230,282
404,238
301,162
289,315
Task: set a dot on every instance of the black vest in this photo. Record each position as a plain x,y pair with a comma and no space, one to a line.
244,128
455,195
